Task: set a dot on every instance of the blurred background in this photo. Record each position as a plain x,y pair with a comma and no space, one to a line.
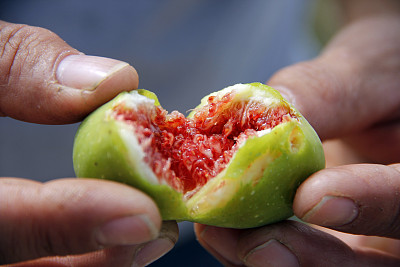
182,50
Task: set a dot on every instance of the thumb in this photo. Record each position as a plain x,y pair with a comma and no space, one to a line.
44,80
353,84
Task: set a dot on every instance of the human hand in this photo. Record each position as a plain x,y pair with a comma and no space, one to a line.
351,95
69,222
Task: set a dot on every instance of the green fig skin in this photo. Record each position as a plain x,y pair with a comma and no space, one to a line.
256,188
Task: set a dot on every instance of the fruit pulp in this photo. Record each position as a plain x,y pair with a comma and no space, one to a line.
187,152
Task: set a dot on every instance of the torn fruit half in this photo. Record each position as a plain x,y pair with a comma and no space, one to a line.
235,161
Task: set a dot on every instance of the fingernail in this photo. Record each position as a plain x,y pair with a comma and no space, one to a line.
152,251
86,72
271,253
127,231
332,211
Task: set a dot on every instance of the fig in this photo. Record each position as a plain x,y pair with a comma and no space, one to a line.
235,161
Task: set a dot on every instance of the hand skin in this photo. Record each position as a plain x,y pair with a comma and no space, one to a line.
350,94
69,222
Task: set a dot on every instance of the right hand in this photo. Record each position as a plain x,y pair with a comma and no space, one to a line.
350,94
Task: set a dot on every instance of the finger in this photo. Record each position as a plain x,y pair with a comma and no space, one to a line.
134,255
383,244
359,199
338,153
219,242
44,80
71,216
153,250
380,144
115,256
337,91
289,244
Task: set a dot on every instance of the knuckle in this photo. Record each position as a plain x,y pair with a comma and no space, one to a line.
13,47
325,83
28,57
65,229
48,241
21,46
57,238
53,241
313,77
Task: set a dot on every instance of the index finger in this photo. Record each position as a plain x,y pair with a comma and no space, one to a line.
71,216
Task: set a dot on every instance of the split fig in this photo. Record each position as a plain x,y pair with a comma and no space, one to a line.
235,161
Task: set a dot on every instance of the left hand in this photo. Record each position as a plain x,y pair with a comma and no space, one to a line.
69,222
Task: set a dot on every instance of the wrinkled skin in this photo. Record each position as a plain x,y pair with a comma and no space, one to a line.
56,223
321,77
359,124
